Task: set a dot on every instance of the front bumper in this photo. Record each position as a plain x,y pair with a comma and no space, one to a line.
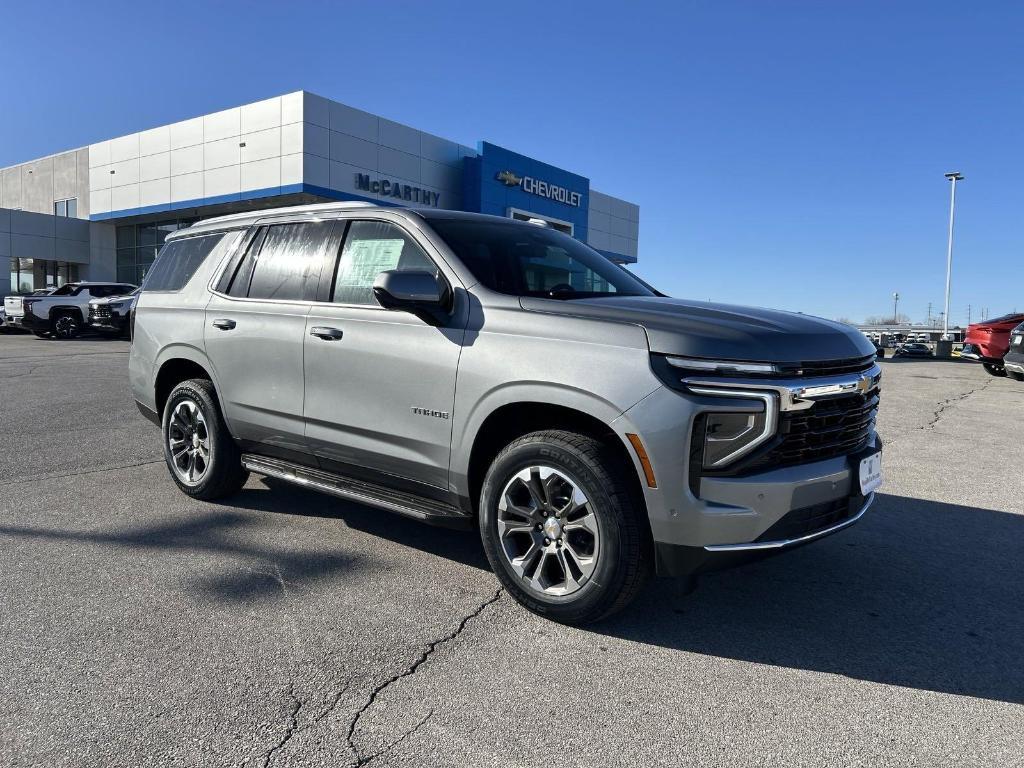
723,521
111,323
1014,362
680,560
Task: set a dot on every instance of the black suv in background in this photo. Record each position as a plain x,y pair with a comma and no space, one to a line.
1014,360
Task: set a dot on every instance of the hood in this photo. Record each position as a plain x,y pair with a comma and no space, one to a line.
720,331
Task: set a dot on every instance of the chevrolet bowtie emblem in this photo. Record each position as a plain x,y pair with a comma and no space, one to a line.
863,385
509,179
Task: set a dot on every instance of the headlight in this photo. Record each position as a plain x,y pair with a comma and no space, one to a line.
721,366
730,435
120,306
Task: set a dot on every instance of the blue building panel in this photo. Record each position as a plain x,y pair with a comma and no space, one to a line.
497,180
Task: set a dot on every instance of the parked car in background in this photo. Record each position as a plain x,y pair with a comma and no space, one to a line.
987,342
112,315
62,312
912,350
10,310
1014,360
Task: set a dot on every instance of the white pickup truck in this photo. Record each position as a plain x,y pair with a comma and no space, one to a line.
62,313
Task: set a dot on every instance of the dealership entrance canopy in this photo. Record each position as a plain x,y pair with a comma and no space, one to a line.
101,212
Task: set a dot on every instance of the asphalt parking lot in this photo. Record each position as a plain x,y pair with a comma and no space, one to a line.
140,627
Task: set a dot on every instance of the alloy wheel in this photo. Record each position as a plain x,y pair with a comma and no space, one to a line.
189,440
65,326
548,531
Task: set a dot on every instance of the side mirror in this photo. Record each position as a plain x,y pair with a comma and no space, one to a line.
422,293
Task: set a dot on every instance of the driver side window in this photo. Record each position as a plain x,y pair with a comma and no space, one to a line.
372,247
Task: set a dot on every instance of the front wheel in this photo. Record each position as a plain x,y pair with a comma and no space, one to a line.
994,370
201,454
564,527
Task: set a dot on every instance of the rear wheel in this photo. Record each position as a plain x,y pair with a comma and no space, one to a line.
563,527
201,455
66,325
993,369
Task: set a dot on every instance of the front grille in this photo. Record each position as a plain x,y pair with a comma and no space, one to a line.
827,429
99,313
829,367
807,520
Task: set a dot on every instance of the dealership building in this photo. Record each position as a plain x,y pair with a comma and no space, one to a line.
102,211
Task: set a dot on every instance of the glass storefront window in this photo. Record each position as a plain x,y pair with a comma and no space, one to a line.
138,244
126,237
73,207
29,275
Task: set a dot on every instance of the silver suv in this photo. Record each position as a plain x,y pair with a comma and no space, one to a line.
469,370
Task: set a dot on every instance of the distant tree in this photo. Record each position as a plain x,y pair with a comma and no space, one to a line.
900,319
846,320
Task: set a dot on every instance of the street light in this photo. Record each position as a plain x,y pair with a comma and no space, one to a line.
953,176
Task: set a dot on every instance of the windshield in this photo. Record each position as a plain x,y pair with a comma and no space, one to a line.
526,260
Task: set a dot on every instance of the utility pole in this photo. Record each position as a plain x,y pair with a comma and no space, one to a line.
954,177
968,314
895,304
929,314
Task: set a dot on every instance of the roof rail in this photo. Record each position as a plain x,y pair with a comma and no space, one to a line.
260,212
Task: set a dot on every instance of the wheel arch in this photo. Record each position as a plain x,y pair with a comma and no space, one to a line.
61,308
516,418
177,364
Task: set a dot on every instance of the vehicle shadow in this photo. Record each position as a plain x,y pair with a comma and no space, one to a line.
256,571
920,594
279,497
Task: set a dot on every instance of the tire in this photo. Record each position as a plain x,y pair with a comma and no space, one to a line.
605,546
210,463
42,334
65,325
994,370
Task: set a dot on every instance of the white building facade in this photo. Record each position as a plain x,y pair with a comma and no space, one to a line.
101,212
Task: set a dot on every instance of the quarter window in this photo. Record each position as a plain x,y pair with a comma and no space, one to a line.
179,260
372,247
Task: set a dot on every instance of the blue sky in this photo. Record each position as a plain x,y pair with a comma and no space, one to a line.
786,154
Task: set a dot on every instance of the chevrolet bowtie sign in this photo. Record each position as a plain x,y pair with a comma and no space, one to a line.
540,188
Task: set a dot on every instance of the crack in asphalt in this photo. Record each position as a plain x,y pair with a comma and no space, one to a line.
36,478
293,724
408,672
941,407
292,729
949,402
396,742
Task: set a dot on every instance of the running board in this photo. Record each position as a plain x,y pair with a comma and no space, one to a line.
411,505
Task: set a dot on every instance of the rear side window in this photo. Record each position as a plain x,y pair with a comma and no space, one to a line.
284,262
178,261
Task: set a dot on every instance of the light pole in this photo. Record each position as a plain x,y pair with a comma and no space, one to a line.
953,176
895,304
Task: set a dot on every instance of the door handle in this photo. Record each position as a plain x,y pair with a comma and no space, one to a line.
327,334
224,325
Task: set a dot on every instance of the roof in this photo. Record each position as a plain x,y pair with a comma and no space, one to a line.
245,218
